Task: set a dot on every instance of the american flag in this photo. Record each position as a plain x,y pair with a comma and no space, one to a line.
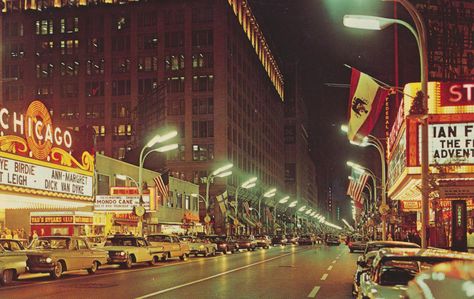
162,185
356,186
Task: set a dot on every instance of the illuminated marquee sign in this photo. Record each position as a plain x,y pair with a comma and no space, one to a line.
120,202
451,143
51,219
35,156
457,94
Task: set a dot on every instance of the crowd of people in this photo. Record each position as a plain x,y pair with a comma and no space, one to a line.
16,234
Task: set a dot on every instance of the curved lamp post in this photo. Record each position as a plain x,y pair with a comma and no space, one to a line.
378,23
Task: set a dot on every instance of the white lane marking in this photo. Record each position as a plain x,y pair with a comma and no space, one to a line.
211,277
313,293
334,262
325,275
329,268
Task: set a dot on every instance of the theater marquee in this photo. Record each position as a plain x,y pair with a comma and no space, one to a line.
35,156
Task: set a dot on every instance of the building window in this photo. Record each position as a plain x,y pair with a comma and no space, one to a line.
120,65
174,39
290,134
203,83
95,67
187,202
119,153
147,41
203,106
44,48
44,70
44,27
122,132
95,89
13,71
120,87
94,111
121,23
69,68
290,172
176,107
69,25
203,60
14,51
178,154
120,43
99,132
174,62
121,110
95,45
13,29
202,38
202,15
69,90
69,47
103,184
145,86
179,200
175,84
147,64
147,19
203,129
69,111
13,93
44,91
203,152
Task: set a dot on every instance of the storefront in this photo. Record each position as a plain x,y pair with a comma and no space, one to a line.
43,167
64,223
451,155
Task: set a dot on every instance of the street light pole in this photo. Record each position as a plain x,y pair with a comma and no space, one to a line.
378,23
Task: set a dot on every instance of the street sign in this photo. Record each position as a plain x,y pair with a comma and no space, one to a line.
207,219
384,209
236,221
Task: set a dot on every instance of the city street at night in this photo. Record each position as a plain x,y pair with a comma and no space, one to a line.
317,271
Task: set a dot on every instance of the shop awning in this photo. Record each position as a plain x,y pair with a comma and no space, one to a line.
24,201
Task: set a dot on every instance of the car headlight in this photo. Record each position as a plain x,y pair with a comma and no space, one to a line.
122,253
47,260
201,247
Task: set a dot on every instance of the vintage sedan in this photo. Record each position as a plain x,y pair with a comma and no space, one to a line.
263,241
332,240
279,240
224,244
12,260
307,240
357,243
55,255
125,250
173,247
393,268
202,246
246,243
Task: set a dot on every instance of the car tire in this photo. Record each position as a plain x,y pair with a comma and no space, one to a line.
165,257
184,257
93,269
213,253
128,263
224,251
154,260
7,277
195,255
58,270
351,250
248,249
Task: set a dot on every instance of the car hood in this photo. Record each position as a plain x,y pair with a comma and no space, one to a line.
118,248
46,252
379,291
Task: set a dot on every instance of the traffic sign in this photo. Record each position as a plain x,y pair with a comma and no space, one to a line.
207,219
384,209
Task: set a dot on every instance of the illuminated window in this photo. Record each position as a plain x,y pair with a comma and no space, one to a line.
69,68
147,64
177,154
147,41
44,70
120,65
145,86
69,111
44,91
121,23
69,25
203,60
121,110
174,62
203,152
95,89
175,84
69,46
203,83
95,67
95,45
44,27
94,111
122,132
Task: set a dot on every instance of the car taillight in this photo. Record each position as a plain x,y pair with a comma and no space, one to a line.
350,244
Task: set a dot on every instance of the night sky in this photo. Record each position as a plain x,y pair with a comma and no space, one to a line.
311,32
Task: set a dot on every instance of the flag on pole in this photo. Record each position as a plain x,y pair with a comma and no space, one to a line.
366,100
162,185
221,199
360,187
356,185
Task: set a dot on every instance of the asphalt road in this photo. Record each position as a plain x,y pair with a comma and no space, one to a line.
281,272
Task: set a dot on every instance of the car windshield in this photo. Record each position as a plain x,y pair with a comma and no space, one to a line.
11,245
121,242
158,238
376,247
51,243
395,272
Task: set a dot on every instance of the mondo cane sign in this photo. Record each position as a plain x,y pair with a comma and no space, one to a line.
35,156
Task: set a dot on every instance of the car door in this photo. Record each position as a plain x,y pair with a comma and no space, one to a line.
142,251
85,254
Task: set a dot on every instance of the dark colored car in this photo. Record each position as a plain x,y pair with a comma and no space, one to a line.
247,244
333,240
292,239
307,240
279,240
357,243
224,244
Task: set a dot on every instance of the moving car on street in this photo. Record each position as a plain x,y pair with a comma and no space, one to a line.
307,240
224,244
263,241
55,255
332,240
393,268
357,243
126,250
202,246
279,240
12,260
173,247
246,243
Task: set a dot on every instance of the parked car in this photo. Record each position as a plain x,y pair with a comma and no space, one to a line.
12,261
173,247
457,282
279,240
263,241
96,241
202,246
55,255
332,240
224,244
393,268
12,244
292,239
357,243
307,240
365,261
246,243
125,250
